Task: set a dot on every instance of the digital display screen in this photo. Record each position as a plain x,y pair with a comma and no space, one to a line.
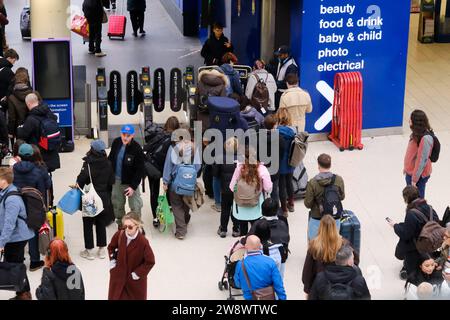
52,69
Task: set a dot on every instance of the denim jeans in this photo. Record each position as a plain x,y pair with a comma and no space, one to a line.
313,227
217,190
421,184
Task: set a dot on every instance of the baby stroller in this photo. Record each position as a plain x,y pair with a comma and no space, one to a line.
235,254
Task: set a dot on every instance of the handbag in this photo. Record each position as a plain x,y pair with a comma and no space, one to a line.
150,169
105,17
164,214
13,276
266,293
91,203
70,202
80,26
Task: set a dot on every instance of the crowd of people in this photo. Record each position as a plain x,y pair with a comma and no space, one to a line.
245,190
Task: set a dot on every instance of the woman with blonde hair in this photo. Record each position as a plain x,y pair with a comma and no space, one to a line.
322,251
250,181
131,259
287,134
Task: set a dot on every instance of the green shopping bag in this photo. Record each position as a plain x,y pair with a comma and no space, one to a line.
164,214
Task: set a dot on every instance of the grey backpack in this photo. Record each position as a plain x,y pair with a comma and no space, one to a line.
246,195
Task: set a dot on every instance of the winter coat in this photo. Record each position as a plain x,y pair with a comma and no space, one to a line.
298,103
233,76
312,267
417,161
136,5
55,283
133,162
334,274
103,179
225,173
287,134
28,174
315,189
137,257
17,108
6,77
271,85
409,230
13,215
30,133
93,10
250,113
214,49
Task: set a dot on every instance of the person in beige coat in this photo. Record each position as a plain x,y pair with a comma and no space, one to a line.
297,101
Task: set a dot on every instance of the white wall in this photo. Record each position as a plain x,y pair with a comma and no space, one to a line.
50,18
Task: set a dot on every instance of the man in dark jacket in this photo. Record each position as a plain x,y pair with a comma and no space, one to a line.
27,174
93,11
127,159
340,281
7,76
30,131
286,65
17,108
314,193
137,15
216,46
417,215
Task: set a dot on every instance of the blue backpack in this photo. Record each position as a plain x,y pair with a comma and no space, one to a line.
185,180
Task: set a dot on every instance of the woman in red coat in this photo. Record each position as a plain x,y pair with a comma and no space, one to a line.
131,260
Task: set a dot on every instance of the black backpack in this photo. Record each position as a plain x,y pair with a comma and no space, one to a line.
331,201
339,291
434,156
50,134
34,206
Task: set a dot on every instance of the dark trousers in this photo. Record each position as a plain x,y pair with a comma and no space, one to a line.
95,36
180,212
243,226
100,231
137,20
154,193
275,195
226,206
15,253
33,248
286,187
411,262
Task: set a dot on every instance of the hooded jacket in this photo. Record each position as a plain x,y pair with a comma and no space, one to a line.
409,230
30,133
314,192
334,274
298,103
287,134
235,81
17,108
103,179
6,77
55,283
28,174
214,49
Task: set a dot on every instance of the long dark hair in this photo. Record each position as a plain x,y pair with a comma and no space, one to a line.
249,171
419,125
410,194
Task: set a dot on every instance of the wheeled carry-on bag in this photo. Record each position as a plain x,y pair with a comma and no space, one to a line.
351,229
12,275
117,24
56,220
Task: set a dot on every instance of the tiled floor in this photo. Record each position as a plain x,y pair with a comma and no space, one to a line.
190,269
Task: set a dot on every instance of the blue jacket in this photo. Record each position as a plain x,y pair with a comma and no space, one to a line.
172,163
13,228
262,272
28,174
287,134
235,81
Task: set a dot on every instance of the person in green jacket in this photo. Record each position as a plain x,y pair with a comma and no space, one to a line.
137,15
314,193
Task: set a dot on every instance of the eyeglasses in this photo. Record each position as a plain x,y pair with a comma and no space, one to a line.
129,227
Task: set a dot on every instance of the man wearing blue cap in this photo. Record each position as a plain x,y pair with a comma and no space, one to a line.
127,159
286,65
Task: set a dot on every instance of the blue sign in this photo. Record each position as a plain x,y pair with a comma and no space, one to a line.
370,36
63,111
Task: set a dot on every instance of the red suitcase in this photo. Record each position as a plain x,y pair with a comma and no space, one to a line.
116,26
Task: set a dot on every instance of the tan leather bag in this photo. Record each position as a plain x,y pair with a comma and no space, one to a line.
267,293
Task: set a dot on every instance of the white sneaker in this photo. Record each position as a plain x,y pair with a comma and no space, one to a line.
100,54
87,254
101,252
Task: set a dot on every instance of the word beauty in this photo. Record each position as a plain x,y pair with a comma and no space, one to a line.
337,9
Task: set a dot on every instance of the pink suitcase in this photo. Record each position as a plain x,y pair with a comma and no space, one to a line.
116,26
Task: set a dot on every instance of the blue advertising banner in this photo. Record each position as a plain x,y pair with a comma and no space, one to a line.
370,36
63,110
